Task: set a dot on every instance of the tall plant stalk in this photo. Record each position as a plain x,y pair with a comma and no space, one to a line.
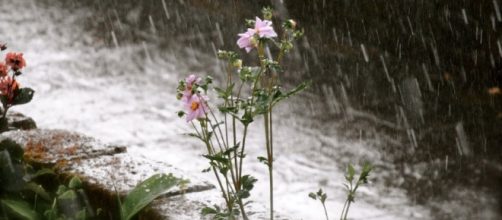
226,154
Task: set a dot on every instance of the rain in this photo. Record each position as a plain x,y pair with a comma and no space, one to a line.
413,87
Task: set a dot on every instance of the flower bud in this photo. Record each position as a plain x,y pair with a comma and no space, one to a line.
290,24
237,63
267,13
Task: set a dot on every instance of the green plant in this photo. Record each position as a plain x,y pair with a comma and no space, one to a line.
322,198
351,187
248,92
22,196
10,92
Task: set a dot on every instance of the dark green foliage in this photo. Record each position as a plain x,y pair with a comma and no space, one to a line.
23,197
23,96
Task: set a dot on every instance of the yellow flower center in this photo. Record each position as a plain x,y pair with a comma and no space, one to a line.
195,106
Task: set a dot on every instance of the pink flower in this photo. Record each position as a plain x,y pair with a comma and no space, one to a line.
4,69
196,107
190,81
262,29
247,40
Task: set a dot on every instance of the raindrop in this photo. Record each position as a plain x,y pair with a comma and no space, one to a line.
436,55
464,14
411,27
147,52
168,16
335,35
500,48
385,68
114,38
462,140
446,163
497,10
427,78
366,58
220,36
152,25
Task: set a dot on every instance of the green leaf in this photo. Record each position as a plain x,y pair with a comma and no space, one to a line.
81,215
21,209
350,173
146,192
225,93
248,182
23,96
68,195
208,211
363,178
324,197
61,189
217,157
38,189
228,109
232,149
319,193
247,118
279,96
75,183
42,172
312,195
15,150
195,136
263,160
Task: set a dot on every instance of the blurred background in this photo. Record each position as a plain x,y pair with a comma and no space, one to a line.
412,86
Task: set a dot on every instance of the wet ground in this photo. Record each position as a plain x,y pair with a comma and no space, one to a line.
109,70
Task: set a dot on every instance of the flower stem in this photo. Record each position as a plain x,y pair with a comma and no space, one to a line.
325,211
346,211
270,162
208,145
343,210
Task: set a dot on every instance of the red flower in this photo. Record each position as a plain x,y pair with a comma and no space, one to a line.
15,61
8,87
4,69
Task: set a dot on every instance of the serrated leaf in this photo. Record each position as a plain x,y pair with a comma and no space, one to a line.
248,182
217,157
263,160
